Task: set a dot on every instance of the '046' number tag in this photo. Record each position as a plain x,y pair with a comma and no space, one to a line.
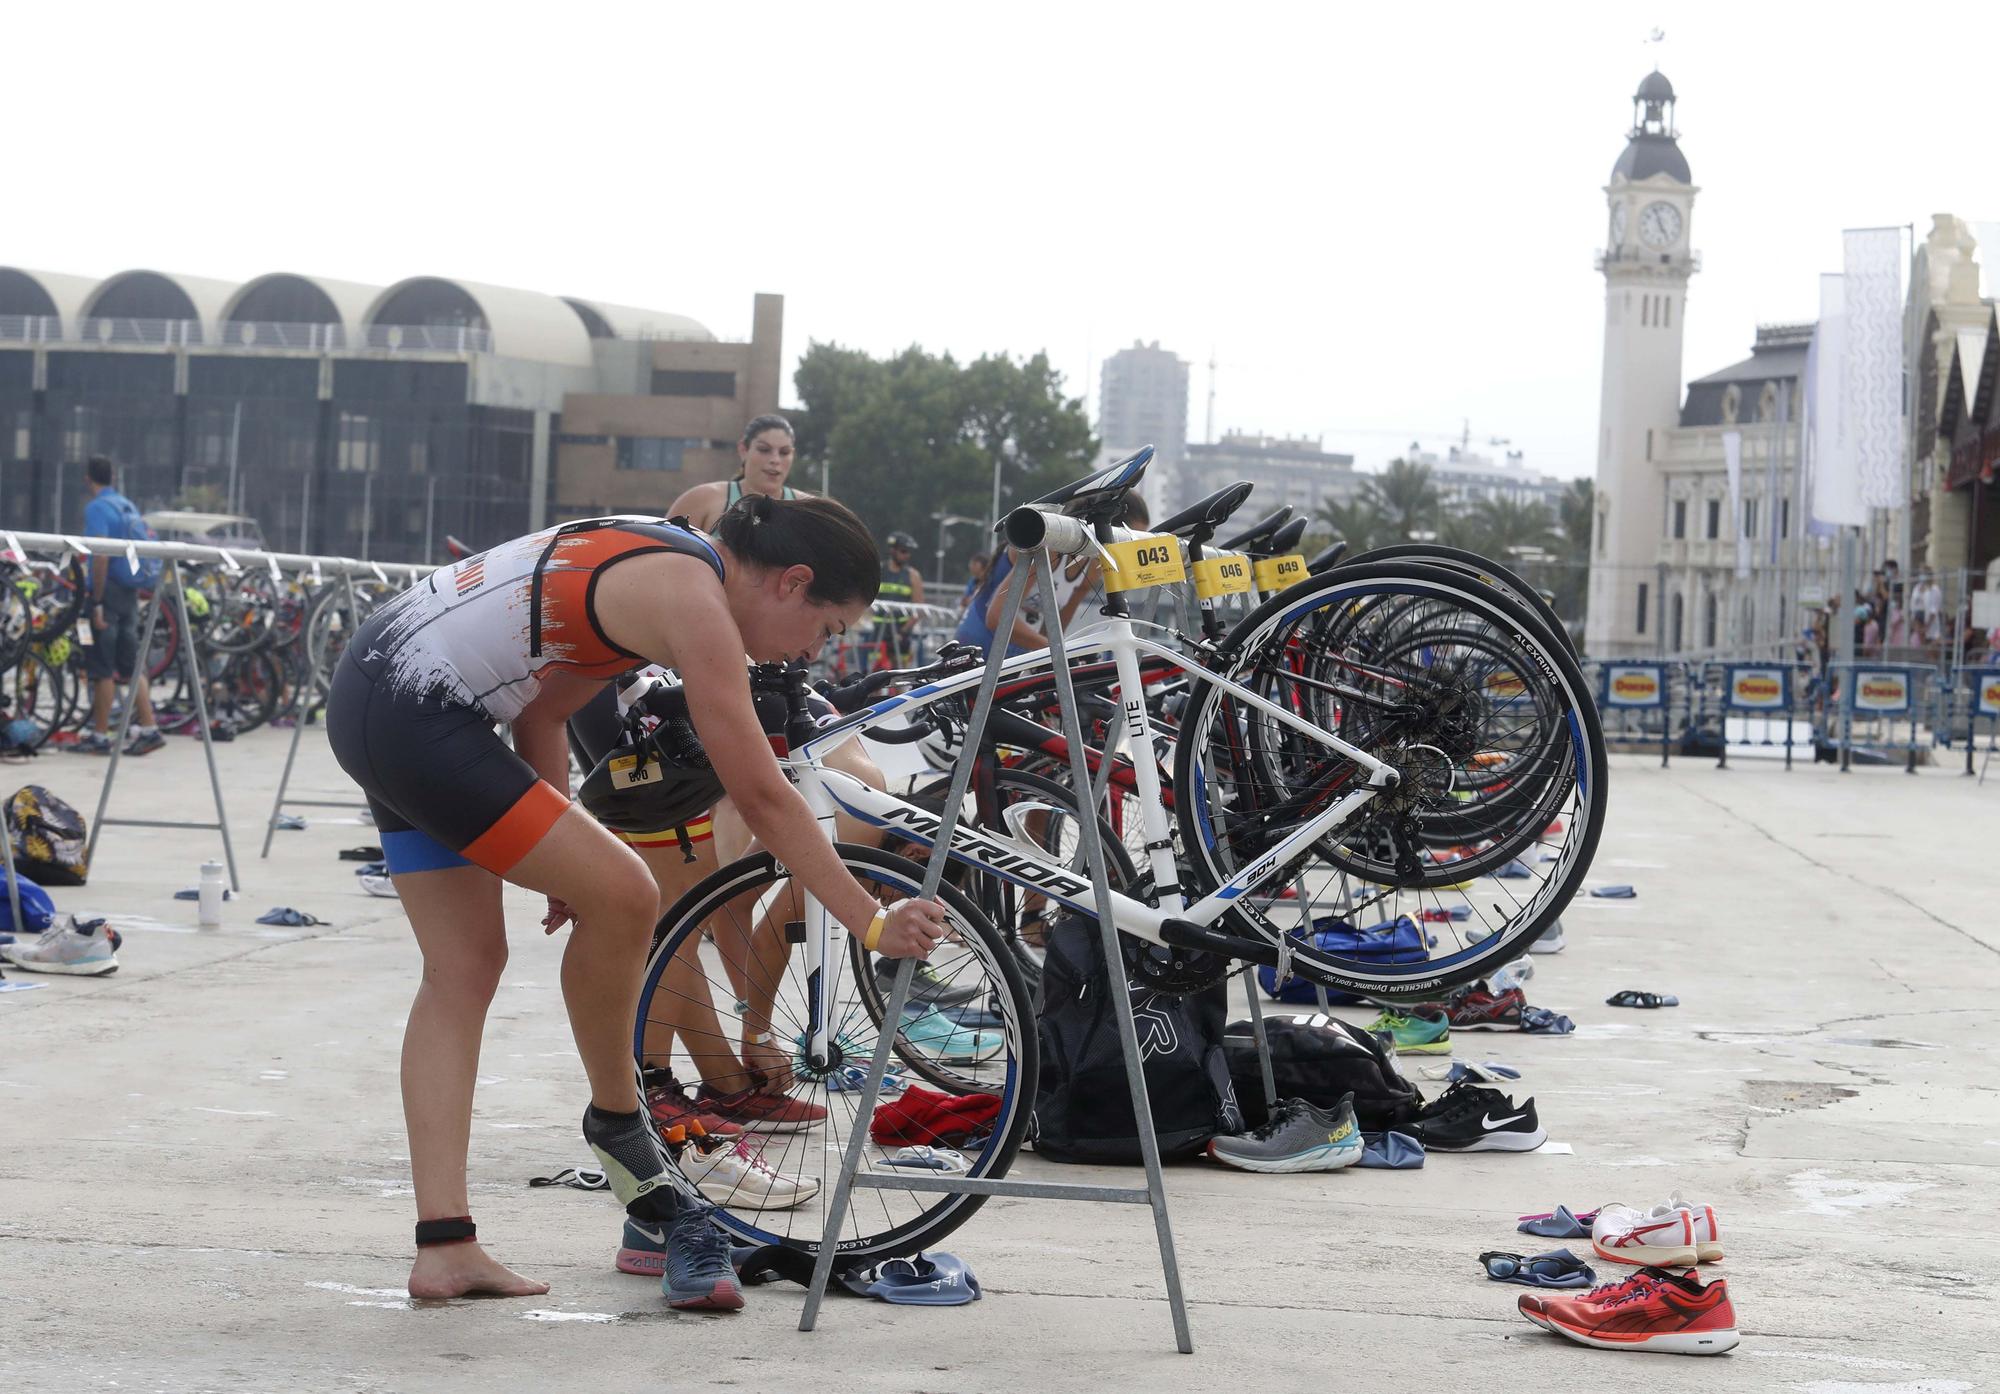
1275,573
1228,574
1144,561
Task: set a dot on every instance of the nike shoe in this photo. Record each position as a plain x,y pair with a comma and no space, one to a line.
82,948
760,1113
1298,1137
737,1178
670,1106
1417,1033
926,986
1533,1307
1674,1234
1676,1315
1468,1118
690,1257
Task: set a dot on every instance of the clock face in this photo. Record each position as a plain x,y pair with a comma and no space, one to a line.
1617,224
1660,225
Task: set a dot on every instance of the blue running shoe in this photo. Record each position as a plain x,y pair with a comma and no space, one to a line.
697,1276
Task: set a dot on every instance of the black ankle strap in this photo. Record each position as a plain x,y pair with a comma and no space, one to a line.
458,1229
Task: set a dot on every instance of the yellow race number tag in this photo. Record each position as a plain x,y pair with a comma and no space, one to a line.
630,771
1144,561
1275,573
1228,574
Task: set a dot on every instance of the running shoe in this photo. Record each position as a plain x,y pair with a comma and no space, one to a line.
1531,1306
378,885
1675,1315
670,1106
1551,942
941,1038
1479,1009
1468,1118
90,743
82,948
1298,1137
697,1276
1417,1033
927,986
760,1113
738,1178
1675,1234
145,742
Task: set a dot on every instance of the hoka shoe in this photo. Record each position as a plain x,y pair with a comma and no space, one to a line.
1469,1118
79,947
1675,1315
737,1178
670,1106
1415,1034
927,986
697,1276
760,1113
1299,1137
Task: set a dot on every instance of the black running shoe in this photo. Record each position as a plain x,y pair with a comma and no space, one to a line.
1470,1119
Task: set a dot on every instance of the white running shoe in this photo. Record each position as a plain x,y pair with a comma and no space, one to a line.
736,1178
1672,1235
83,949
1551,942
378,885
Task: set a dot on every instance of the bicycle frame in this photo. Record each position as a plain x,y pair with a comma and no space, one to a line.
831,792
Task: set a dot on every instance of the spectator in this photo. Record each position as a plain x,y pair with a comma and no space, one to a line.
113,654
1927,607
978,569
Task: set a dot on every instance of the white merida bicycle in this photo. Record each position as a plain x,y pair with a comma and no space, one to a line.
1373,739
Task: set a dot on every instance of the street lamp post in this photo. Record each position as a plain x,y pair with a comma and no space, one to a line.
945,522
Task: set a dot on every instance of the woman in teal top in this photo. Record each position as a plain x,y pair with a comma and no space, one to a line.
766,452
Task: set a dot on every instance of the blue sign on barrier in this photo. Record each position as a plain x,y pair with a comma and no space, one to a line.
1765,687
1985,691
1635,686
1882,691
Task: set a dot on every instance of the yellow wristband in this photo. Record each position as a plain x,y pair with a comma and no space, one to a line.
874,934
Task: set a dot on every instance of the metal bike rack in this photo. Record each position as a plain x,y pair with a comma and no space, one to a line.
280,802
1154,1193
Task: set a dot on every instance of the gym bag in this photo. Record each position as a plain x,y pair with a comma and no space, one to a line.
36,907
48,836
1400,940
1318,1059
1083,1106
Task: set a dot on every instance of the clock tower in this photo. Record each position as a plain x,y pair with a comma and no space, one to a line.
1646,264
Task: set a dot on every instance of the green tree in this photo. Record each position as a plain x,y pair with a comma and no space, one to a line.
1503,528
1406,500
904,438
1356,522
1575,512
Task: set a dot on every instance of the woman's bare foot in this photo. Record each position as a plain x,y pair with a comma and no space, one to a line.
466,1270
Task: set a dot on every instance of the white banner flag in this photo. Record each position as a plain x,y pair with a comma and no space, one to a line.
1872,378
1732,459
1836,474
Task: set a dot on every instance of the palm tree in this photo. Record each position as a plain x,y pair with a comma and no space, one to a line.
1354,521
1406,500
1505,527
1575,512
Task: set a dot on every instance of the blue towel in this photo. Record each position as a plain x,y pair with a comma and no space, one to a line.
1391,1152
1615,893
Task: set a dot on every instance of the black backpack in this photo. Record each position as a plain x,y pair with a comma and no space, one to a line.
49,838
1318,1059
1083,1106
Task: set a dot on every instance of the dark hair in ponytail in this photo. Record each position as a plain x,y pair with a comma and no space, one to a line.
819,533
769,421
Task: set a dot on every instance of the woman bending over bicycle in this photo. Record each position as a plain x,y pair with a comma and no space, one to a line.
526,633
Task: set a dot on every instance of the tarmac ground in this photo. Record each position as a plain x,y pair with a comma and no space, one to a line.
205,1178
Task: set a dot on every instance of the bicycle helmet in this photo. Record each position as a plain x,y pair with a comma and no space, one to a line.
658,776
903,540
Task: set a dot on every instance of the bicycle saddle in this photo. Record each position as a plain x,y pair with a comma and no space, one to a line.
1197,522
1287,537
1101,494
1258,538
1328,558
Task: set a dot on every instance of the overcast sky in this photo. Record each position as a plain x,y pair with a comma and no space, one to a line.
1379,224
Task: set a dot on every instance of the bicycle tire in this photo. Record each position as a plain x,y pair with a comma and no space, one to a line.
909,1220
1485,568
1208,863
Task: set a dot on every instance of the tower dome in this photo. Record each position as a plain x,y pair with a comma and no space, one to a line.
1652,147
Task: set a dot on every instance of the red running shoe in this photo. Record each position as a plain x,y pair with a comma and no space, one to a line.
1476,1009
1533,1305
1676,1315
761,1113
671,1107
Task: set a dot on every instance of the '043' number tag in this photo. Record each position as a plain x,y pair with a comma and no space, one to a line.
1144,561
1275,573
1228,574
630,771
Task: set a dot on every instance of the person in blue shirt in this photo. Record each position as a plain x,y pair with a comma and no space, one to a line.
113,655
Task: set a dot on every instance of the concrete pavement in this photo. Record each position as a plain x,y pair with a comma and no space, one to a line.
203,1180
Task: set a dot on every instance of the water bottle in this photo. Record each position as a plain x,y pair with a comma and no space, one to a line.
1511,975
211,895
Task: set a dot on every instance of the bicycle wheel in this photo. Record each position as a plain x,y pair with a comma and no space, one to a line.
733,928
1444,678
39,693
1485,568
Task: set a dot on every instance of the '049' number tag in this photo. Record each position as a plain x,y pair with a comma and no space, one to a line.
1275,573
1144,561
1228,574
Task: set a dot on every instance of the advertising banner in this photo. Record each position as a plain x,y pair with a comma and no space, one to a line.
1635,686
1882,691
1985,691
1761,689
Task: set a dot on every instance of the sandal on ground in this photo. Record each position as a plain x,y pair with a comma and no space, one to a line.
1632,997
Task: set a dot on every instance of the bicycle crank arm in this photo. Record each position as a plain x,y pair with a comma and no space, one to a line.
1182,934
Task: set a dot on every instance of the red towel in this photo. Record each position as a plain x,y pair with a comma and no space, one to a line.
924,1117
